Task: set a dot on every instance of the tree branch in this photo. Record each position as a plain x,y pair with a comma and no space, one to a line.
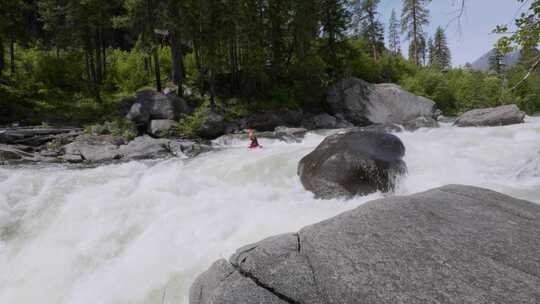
531,70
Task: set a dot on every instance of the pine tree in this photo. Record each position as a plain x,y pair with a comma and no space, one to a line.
368,26
441,57
421,50
496,62
414,17
431,51
393,34
335,19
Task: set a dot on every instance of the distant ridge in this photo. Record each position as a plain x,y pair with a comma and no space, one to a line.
482,63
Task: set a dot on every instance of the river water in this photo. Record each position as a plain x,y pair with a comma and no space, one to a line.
140,232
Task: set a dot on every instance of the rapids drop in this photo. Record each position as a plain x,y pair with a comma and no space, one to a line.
140,232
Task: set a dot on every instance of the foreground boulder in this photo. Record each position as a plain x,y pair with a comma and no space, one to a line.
357,162
499,116
454,245
362,103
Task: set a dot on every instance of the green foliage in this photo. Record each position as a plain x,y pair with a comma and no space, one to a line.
119,127
189,125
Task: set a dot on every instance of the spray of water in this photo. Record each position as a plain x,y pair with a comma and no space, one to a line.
140,232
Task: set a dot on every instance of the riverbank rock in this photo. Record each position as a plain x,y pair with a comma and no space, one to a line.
362,103
152,105
454,245
213,126
499,116
35,136
353,163
92,148
270,119
285,134
145,147
160,127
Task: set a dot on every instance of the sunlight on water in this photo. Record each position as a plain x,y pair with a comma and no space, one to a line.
141,231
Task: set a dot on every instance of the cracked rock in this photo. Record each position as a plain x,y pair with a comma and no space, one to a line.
454,244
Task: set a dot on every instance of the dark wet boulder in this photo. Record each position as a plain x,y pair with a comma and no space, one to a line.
363,103
212,127
454,245
353,163
498,116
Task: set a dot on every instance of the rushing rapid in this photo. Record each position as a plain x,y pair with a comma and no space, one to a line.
140,232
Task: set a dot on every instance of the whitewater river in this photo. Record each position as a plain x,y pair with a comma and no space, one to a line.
140,232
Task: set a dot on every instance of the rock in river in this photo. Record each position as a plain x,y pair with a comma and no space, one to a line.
499,116
362,103
357,162
453,245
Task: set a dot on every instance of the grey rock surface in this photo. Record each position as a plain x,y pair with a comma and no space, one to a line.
362,103
144,147
455,244
352,163
90,148
498,116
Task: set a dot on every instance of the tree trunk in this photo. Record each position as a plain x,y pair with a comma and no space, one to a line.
415,37
98,61
177,55
212,91
103,54
12,55
2,63
156,69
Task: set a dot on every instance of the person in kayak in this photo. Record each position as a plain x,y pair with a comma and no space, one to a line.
254,142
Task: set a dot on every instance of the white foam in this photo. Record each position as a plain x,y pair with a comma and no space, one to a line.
135,232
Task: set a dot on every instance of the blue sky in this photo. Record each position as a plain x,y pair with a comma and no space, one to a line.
475,37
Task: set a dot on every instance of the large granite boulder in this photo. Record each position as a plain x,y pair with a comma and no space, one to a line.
363,103
151,105
498,116
453,245
356,162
